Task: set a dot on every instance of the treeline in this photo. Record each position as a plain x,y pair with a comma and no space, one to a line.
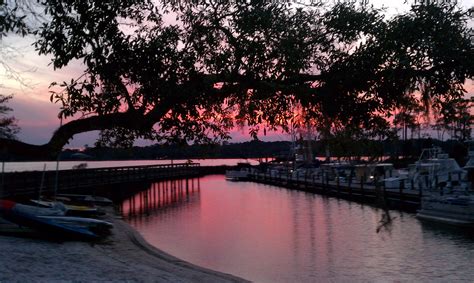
397,150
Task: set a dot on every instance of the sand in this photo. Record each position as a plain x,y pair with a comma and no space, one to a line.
123,257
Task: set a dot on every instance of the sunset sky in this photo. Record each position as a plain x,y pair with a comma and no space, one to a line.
38,116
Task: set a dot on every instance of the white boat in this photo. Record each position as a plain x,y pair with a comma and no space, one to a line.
449,209
435,169
451,201
237,175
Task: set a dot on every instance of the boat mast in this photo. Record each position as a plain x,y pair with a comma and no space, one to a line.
57,166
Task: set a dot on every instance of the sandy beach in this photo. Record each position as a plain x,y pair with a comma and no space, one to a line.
123,257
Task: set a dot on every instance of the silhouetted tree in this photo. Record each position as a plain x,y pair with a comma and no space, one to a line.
244,62
8,124
455,117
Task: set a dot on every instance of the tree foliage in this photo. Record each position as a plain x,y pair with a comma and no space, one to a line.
265,64
12,17
8,124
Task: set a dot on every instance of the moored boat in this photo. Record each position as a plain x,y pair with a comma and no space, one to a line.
236,175
241,172
449,200
448,209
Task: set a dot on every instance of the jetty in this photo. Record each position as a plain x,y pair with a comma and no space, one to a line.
400,198
27,183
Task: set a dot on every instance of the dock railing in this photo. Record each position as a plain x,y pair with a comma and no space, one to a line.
28,182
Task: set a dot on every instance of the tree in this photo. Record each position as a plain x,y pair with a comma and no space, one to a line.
244,62
12,17
8,124
455,117
20,17
407,118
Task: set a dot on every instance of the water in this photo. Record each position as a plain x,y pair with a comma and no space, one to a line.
268,234
64,165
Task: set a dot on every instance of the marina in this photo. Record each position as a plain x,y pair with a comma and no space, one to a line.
236,141
265,233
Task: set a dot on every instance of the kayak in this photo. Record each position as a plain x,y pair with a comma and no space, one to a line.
56,225
99,227
69,210
85,222
84,199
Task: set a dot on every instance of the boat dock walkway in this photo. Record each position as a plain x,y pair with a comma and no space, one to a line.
13,184
400,198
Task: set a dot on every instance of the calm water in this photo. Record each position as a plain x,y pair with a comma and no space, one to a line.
268,234
63,165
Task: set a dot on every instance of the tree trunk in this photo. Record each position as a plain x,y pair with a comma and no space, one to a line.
50,150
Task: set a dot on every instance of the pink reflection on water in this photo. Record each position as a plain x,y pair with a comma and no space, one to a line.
269,234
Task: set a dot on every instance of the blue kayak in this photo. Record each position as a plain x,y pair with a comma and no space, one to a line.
41,220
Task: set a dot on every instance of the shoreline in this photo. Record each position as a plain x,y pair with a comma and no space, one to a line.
123,256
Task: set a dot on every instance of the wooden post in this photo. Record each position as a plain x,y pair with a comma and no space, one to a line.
323,180
349,184
327,181
384,190
402,186
450,182
420,190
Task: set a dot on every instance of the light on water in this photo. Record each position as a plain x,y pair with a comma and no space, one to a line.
269,234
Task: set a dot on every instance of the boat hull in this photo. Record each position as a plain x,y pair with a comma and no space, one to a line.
20,214
236,175
448,210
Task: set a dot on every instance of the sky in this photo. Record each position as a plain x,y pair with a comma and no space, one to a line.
37,116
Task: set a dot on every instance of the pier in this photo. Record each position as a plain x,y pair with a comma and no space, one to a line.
17,184
400,198
160,195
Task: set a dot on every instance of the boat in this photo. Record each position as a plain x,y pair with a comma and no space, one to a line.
99,227
449,201
435,169
449,209
69,210
240,173
55,225
237,175
84,199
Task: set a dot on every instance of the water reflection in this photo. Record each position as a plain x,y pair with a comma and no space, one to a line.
160,197
269,234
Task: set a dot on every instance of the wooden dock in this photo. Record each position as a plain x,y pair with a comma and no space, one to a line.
17,184
400,198
164,194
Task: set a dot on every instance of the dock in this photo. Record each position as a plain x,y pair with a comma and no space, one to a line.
400,198
28,183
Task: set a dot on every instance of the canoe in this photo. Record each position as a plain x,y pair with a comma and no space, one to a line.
55,225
